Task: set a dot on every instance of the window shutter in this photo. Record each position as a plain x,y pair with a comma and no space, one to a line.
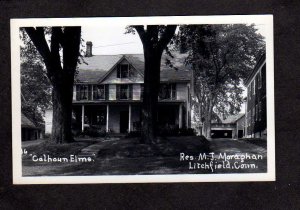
106,92
130,91
95,92
118,92
77,92
89,92
118,71
142,92
174,91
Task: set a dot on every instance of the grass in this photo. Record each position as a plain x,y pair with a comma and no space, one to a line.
126,156
256,141
167,147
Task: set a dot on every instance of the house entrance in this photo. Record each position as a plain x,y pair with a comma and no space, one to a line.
124,121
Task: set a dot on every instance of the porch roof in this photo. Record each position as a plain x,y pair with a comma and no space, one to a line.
105,102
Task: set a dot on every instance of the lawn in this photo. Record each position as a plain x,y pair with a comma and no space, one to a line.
128,157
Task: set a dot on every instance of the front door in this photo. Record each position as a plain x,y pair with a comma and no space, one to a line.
124,121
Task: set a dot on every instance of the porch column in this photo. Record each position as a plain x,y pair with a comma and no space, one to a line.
180,116
107,117
129,119
82,117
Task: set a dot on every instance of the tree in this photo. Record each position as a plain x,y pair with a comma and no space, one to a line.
155,39
221,57
60,72
35,86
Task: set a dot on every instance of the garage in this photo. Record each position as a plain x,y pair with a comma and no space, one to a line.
221,134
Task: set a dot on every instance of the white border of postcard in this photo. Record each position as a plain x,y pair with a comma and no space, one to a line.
267,20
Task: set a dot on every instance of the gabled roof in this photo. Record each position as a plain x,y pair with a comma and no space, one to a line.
232,118
26,123
98,66
259,63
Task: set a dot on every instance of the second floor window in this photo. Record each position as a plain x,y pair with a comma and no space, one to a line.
167,91
124,92
142,92
99,92
123,71
82,92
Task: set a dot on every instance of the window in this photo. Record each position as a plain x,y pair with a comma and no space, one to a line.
254,86
124,92
253,113
82,92
123,71
99,92
167,91
256,112
249,118
259,80
142,91
259,110
250,91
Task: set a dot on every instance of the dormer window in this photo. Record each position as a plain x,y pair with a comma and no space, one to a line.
123,71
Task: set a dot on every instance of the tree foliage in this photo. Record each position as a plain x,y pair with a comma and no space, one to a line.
221,57
35,86
60,55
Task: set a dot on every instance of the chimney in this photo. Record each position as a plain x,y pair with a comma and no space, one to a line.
89,47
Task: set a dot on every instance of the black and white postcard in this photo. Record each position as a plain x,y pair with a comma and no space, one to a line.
143,99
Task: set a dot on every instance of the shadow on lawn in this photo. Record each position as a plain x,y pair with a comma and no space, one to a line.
167,147
117,157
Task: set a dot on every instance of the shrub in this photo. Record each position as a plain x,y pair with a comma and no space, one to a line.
47,136
187,132
133,134
92,131
175,131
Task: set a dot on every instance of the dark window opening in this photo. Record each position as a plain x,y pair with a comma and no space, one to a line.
123,71
124,92
99,92
82,92
142,91
167,91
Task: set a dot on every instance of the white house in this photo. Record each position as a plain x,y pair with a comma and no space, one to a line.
108,93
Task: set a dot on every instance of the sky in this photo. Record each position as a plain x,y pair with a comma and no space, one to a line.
112,40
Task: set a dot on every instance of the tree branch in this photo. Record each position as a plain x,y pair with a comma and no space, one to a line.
142,33
167,36
71,38
37,36
55,40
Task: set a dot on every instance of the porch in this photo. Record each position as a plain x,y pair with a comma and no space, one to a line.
123,117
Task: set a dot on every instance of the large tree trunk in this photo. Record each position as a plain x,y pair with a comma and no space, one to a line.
61,77
208,123
150,99
200,117
62,114
154,42
208,117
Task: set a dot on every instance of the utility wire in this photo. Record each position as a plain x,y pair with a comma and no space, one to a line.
114,44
